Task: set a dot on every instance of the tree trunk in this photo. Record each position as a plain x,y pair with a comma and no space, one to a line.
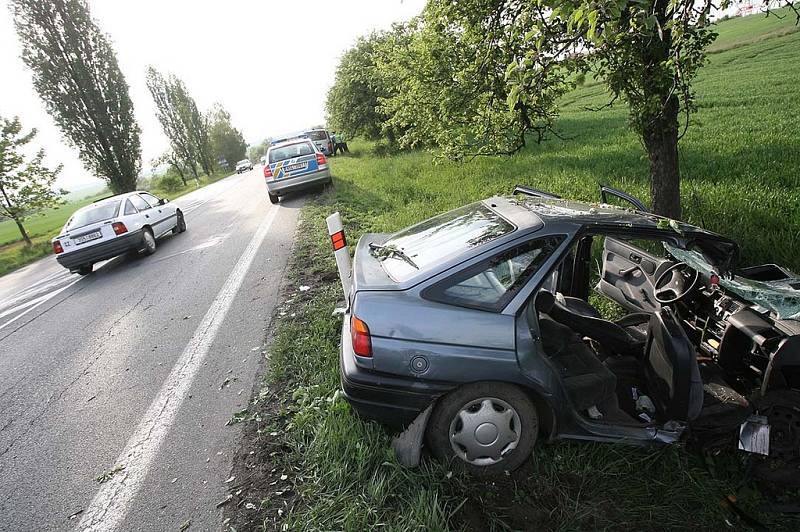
658,121
23,232
660,135
180,173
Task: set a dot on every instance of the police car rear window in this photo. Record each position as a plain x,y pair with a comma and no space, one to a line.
440,238
291,151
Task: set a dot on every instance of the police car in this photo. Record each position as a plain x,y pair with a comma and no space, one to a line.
294,165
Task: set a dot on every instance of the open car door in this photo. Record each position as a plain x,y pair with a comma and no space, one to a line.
629,274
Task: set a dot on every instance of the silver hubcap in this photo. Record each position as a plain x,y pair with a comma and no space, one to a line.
484,431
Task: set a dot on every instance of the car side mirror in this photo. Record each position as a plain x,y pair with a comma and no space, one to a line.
163,201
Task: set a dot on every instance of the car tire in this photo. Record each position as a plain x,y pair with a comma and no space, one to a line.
148,242
501,430
85,270
274,198
180,226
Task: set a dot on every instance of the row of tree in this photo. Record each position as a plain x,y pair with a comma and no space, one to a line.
484,77
195,138
76,74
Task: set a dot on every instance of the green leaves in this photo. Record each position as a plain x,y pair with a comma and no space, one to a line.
75,73
26,187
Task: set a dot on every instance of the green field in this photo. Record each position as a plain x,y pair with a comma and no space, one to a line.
739,161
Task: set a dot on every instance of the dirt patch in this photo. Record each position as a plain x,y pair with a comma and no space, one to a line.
261,491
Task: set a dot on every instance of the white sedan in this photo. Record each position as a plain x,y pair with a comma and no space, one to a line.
113,226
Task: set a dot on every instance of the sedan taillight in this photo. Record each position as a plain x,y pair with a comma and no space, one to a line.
57,248
321,160
359,332
119,228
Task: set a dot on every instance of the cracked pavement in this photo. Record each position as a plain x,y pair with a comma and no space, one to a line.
79,370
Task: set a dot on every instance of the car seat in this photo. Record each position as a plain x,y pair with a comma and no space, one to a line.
671,373
588,382
584,319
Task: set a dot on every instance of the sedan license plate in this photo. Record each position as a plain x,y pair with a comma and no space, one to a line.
87,237
296,166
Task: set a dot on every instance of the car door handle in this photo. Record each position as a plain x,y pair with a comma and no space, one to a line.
635,258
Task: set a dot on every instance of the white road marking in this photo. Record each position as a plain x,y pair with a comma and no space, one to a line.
110,505
47,298
51,280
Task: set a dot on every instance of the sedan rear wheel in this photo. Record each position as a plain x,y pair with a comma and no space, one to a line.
273,198
180,226
485,428
85,270
148,242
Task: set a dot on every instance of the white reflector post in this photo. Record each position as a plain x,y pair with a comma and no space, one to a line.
336,232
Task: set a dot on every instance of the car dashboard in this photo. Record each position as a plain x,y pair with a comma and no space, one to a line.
740,337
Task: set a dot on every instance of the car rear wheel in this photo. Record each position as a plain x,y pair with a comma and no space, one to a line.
180,226
485,428
148,242
273,198
85,270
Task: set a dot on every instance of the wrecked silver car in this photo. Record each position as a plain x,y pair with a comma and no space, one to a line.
524,317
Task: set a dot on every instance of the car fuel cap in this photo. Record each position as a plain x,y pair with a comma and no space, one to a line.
419,364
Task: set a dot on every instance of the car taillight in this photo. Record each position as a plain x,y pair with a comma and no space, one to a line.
321,160
362,344
119,228
267,172
57,247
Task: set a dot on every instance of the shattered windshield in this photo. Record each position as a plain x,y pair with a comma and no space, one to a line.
779,296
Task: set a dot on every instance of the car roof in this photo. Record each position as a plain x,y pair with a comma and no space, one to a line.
550,211
110,199
283,143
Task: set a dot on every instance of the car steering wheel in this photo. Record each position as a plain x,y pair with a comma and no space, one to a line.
675,283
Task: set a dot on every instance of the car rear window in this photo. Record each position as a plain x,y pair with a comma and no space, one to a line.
317,135
493,283
442,237
290,151
94,214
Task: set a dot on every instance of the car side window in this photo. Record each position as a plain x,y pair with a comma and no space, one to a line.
149,198
139,203
129,208
491,284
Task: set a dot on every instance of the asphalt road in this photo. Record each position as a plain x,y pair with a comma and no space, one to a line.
135,369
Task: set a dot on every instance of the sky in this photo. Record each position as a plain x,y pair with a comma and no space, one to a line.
269,63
